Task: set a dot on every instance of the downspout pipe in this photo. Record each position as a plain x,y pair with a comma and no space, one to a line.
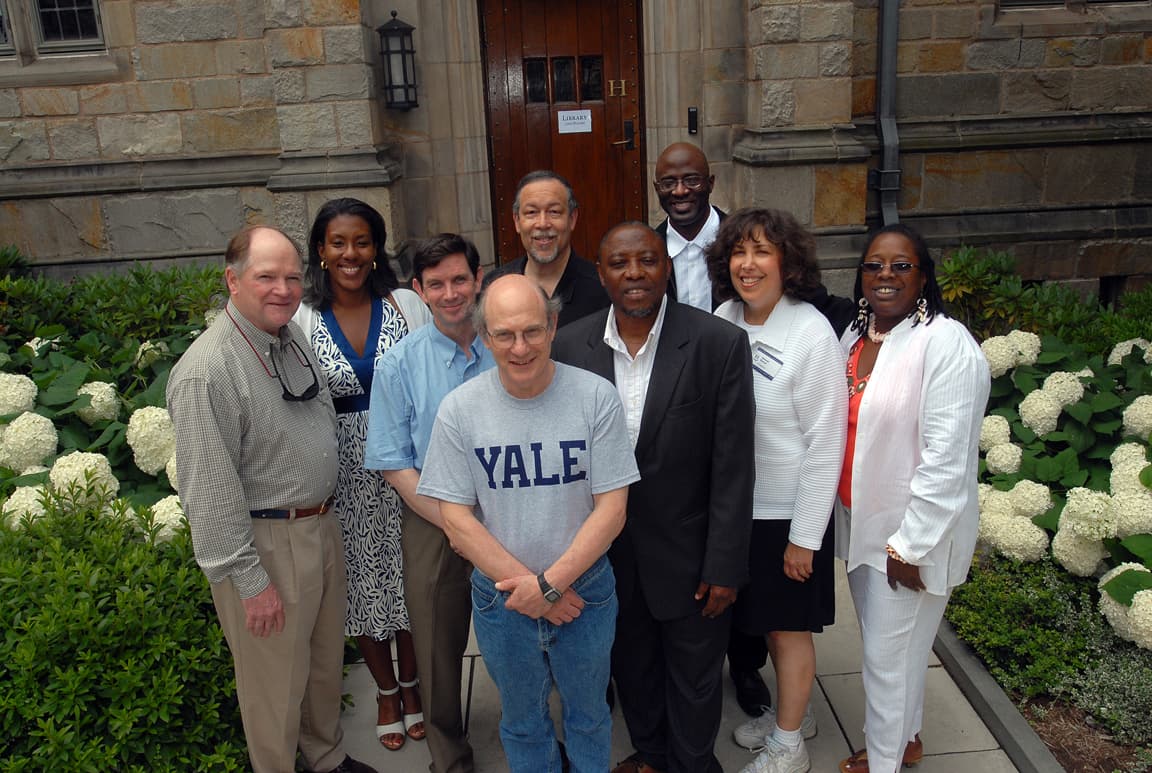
886,179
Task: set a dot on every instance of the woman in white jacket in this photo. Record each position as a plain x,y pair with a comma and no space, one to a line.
907,512
764,262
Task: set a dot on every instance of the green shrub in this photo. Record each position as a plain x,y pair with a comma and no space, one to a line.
12,262
111,657
1029,623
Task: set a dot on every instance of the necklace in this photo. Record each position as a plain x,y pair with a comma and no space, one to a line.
873,336
855,385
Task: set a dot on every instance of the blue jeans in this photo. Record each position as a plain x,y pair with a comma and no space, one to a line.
525,657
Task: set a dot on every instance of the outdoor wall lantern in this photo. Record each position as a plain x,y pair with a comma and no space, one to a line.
398,59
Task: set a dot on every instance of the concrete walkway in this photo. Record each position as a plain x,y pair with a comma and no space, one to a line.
955,739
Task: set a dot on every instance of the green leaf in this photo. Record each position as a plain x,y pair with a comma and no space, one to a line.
1081,412
65,385
1140,545
1051,519
1108,426
1105,401
1024,434
1024,381
1048,470
1146,476
109,433
1127,584
1002,387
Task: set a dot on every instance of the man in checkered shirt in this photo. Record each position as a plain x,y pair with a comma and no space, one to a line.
256,459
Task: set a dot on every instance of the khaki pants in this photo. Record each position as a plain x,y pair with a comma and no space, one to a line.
289,684
438,593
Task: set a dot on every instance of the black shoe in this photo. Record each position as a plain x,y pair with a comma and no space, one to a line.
565,765
350,765
751,692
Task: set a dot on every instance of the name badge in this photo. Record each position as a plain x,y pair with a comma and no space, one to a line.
766,361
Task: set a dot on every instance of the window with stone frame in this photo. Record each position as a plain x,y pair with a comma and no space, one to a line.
35,28
1068,4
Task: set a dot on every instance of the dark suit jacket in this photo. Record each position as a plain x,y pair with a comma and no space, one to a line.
579,288
690,515
662,229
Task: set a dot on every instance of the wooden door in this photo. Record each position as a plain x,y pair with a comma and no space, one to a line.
563,93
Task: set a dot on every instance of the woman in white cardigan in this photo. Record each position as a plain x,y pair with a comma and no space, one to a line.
907,512
764,262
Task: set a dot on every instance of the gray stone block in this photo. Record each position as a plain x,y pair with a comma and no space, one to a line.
74,140
1004,54
173,220
956,23
345,45
288,85
157,96
222,131
1037,91
50,101
960,181
1112,87
211,93
62,229
915,23
777,105
940,95
103,98
295,47
787,61
354,124
337,81
256,91
23,141
774,24
826,21
284,13
1090,174
139,135
1142,184
235,57
1077,52
157,23
835,59
307,126
9,104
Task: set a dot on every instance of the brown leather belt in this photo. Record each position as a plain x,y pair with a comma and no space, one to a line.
293,513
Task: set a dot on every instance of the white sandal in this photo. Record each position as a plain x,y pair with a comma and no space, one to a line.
411,720
395,729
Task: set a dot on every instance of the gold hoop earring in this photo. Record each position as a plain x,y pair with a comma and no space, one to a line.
373,265
323,265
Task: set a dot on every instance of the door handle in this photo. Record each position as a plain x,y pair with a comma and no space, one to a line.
629,141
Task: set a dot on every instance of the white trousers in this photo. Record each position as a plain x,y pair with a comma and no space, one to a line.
898,628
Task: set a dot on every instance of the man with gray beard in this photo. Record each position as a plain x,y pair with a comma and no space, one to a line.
545,212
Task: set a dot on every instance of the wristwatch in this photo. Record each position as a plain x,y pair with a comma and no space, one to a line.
551,595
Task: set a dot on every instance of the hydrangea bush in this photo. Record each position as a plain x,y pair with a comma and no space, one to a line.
1065,468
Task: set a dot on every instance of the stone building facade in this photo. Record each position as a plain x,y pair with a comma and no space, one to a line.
1016,124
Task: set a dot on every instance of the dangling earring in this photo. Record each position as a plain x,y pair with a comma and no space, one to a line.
373,265
862,315
921,310
323,264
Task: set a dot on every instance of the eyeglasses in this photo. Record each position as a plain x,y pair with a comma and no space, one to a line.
506,339
301,359
693,182
897,266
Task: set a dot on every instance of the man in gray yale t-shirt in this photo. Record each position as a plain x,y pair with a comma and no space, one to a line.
531,464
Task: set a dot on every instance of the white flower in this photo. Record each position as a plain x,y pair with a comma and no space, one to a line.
34,469
105,405
982,492
1128,453
25,501
170,469
1001,354
169,515
1085,373
38,344
1124,348
17,394
1133,513
1125,478
1030,499
998,502
1113,610
1140,619
1078,555
210,316
994,430
1039,412
1138,417
1088,514
70,478
1015,538
28,440
1065,387
1004,459
149,352
1027,346
152,438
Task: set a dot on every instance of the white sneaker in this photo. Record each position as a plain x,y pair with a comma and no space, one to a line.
777,758
753,733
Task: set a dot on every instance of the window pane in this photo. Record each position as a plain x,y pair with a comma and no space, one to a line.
591,78
5,35
64,21
535,80
564,79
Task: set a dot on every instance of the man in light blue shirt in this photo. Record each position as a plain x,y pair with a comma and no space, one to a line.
410,381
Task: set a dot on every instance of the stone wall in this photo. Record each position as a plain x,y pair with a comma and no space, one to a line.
214,115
